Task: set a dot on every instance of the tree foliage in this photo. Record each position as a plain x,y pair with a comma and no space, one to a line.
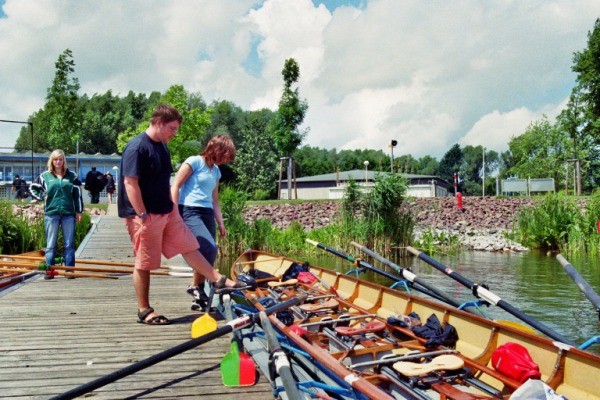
291,112
192,133
450,164
539,152
255,165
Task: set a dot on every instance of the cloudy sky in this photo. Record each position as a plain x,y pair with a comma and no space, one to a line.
426,73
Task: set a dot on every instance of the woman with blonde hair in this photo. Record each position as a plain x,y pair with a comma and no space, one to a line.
196,191
60,189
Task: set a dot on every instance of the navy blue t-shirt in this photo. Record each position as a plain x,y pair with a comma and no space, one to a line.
150,162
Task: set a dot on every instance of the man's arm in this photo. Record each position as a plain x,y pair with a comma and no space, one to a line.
134,193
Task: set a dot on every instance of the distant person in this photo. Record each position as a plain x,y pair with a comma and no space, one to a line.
110,186
94,183
196,191
153,222
19,188
60,188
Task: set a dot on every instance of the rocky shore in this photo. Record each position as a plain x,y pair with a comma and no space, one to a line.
481,224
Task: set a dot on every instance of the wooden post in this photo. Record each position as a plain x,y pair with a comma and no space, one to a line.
294,177
280,176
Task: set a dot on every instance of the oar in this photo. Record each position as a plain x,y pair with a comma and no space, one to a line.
481,292
280,360
54,272
81,261
366,265
260,261
231,326
206,323
406,274
581,283
44,267
237,368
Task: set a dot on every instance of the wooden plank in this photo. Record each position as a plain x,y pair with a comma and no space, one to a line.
59,334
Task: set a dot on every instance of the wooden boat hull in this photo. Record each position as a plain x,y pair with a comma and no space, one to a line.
571,372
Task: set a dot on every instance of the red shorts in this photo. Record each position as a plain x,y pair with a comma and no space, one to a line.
159,234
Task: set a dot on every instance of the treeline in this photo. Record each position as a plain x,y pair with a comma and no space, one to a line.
105,122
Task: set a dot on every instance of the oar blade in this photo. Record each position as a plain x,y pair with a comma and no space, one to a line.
203,325
247,370
230,366
237,368
516,325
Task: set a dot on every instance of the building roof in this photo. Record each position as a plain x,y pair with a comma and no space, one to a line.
357,175
20,156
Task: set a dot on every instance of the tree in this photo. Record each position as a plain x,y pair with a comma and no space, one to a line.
62,107
539,152
428,165
58,123
581,119
196,118
586,64
226,118
255,163
289,117
450,164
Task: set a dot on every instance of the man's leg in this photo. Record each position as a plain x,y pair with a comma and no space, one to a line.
141,282
201,266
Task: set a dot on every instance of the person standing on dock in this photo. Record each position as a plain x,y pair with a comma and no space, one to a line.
60,188
110,186
196,191
153,222
94,183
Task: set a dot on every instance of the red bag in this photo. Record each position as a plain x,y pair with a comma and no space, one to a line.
306,277
514,361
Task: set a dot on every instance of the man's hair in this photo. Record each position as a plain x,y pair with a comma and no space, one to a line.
165,114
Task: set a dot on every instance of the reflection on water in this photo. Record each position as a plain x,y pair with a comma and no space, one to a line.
534,283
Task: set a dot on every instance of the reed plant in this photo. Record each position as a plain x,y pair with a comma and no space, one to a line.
232,203
552,224
377,220
389,225
20,234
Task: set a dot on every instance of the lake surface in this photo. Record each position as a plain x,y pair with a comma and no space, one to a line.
532,282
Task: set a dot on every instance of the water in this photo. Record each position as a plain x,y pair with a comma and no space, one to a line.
532,282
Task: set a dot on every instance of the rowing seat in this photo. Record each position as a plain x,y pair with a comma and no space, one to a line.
371,327
446,362
313,308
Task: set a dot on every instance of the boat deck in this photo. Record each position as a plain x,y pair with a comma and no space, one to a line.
59,334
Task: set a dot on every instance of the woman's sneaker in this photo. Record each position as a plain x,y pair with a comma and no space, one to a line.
200,298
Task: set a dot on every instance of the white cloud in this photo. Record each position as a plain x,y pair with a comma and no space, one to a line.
428,74
494,130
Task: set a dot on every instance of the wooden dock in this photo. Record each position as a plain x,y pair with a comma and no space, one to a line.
62,333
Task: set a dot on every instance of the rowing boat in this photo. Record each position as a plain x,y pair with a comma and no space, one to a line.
364,337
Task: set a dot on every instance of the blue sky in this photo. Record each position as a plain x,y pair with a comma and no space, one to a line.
426,73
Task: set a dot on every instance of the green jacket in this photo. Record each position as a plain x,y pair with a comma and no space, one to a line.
62,196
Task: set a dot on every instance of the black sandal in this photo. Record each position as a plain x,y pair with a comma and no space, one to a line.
157,320
220,284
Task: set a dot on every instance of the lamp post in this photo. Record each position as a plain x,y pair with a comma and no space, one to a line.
366,163
116,169
392,145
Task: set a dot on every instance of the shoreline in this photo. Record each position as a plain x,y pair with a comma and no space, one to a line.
481,225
